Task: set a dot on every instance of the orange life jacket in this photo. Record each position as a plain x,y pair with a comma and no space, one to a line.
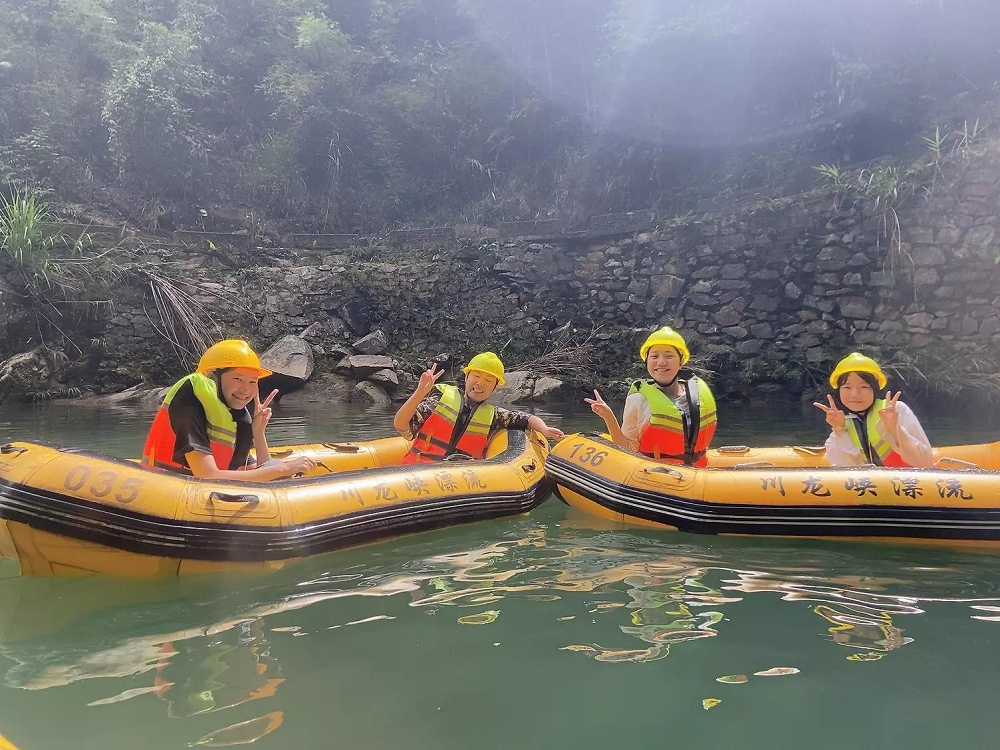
672,436
436,439
159,449
875,447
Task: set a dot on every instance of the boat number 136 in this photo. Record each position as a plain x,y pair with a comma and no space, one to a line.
590,456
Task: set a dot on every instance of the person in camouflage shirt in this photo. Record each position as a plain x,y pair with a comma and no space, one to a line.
441,420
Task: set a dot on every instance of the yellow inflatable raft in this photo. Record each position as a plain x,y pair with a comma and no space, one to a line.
785,492
67,511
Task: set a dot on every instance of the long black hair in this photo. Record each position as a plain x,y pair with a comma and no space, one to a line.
865,376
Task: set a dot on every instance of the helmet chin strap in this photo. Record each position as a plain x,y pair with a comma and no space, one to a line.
670,382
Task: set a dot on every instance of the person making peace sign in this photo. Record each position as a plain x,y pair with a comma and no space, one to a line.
204,426
442,420
883,432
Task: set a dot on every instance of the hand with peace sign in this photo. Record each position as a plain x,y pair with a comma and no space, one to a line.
600,407
427,380
890,414
834,416
262,413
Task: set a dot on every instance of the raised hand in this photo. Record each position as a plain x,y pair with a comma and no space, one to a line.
834,416
599,407
262,412
427,380
890,414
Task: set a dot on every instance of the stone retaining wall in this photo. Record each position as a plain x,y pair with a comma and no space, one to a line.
772,294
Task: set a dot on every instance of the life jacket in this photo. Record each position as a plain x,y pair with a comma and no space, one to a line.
870,441
436,439
159,449
671,436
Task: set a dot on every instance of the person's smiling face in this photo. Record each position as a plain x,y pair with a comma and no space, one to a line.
663,362
479,385
855,393
238,386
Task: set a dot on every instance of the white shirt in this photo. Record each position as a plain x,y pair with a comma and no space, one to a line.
913,446
637,415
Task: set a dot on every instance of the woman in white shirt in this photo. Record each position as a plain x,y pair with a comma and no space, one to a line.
867,430
666,418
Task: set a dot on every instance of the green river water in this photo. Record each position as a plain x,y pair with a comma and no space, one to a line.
539,631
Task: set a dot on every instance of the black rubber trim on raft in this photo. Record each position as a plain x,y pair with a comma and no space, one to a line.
120,528
702,517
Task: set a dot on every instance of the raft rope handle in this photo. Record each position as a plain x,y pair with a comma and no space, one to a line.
342,447
225,497
663,470
8,448
529,467
811,450
734,449
956,461
756,465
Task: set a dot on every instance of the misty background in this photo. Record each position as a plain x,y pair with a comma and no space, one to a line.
363,115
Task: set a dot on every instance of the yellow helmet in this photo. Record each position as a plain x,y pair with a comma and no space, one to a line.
487,362
665,336
857,362
230,353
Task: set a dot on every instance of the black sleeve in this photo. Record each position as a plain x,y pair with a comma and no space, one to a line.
189,423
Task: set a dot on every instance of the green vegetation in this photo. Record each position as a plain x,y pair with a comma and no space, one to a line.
365,114
22,234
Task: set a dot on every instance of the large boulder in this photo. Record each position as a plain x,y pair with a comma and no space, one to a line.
325,389
375,342
524,387
291,356
290,359
387,379
30,376
370,394
137,395
363,365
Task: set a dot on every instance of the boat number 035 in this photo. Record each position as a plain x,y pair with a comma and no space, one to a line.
102,484
590,456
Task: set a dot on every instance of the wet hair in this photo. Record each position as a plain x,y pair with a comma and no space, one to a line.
865,376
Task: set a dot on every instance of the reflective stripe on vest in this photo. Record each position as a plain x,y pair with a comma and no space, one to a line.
878,450
671,436
435,440
221,427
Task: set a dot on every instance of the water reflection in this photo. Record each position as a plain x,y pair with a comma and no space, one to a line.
662,596
196,677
